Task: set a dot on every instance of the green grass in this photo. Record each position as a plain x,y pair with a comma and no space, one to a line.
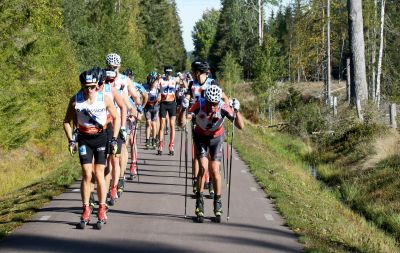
313,211
28,182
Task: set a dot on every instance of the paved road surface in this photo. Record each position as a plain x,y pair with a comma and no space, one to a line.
150,217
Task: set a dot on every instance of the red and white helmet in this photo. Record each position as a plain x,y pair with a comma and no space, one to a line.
213,94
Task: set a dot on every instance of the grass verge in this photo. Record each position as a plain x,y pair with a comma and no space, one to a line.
322,222
39,177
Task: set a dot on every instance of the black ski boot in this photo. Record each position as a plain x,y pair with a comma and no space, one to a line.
121,186
199,207
147,144
211,190
217,208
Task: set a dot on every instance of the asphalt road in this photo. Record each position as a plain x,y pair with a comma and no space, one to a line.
149,217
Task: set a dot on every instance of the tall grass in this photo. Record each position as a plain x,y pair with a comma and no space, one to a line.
323,223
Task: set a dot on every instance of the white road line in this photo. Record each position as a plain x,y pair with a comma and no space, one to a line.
243,171
237,159
253,189
268,217
76,190
45,217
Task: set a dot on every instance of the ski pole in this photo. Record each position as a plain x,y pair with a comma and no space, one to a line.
134,145
186,161
180,156
227,163
230,165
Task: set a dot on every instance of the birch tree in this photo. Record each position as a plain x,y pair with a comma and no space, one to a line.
378,75
359,88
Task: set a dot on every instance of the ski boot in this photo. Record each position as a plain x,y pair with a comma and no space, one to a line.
199,208
217,208
92,202
121,186
154,144
171,149
206,185
132,171
211,190
147,144
85,218
102,216
113,195
166,131
160,147
194,184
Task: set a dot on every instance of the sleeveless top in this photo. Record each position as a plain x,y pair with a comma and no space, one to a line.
168,89
210,125
91,118
197,91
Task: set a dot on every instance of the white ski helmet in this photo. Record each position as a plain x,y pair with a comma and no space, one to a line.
213,94
113,59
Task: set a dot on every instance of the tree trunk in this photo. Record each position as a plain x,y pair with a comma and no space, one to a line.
378,75
357,48
373,55
328,51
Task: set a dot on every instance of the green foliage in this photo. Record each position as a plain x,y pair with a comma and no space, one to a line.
229,73
203,33
236,33
163,44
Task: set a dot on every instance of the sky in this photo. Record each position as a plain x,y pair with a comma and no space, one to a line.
191,11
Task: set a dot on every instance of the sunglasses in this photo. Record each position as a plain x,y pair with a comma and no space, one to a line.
213,104
90,87
112,67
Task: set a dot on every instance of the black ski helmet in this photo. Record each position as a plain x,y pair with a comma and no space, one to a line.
200,65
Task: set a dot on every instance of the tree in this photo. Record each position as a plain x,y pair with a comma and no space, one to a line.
359,86
203,33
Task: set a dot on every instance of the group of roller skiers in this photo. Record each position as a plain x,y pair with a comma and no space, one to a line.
104,114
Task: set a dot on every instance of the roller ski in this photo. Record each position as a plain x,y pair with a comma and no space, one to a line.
171,149
160,147
217,208
102,217
113,195
85,218
121,186
133,172
199,211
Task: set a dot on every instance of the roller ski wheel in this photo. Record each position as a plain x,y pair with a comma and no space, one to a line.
218,219
159,152
99,225
82,224
200,218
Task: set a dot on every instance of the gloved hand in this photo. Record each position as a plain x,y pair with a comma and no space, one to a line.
123,133
72,147
235,104
114,145
140,108
185,103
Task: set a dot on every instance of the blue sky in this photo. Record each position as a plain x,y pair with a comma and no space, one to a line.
191,10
